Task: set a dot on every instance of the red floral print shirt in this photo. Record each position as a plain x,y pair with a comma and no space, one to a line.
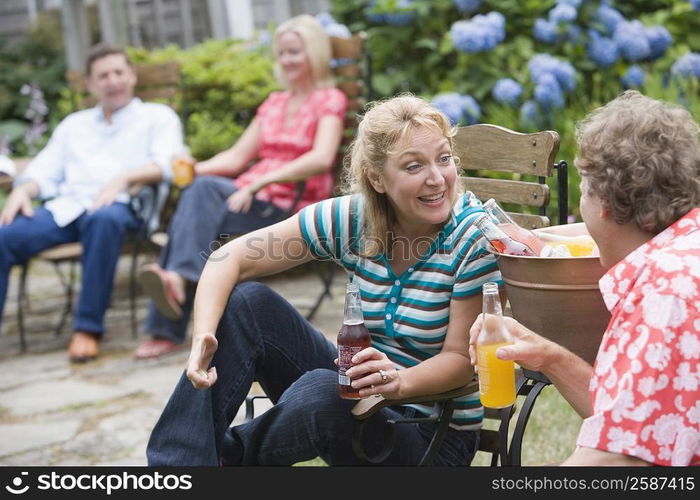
645,384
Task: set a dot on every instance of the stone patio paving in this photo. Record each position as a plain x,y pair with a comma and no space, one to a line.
101,413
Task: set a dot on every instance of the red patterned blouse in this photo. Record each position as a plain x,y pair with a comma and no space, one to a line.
280,144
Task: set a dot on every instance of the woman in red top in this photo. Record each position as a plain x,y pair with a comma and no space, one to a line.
294,137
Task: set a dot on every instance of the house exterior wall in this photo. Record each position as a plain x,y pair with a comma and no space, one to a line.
153,23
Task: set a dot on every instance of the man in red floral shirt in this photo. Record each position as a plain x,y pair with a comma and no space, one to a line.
639,161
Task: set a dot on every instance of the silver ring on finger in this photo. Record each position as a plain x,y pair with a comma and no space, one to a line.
385,377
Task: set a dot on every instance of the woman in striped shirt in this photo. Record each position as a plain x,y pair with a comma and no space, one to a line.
405,234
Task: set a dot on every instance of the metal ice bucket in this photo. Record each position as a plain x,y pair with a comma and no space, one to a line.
558,297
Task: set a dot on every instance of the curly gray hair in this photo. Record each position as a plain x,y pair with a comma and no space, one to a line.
641,157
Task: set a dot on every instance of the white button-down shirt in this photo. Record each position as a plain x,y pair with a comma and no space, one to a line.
85,152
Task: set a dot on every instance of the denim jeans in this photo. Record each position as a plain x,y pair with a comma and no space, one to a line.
101,234
262,337
200,219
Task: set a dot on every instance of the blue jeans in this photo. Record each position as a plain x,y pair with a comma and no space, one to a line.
201,217
101,234
262,337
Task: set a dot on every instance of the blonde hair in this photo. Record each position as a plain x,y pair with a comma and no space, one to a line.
317,47
641,157
384,124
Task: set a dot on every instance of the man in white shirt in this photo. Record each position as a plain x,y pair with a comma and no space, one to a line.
93,158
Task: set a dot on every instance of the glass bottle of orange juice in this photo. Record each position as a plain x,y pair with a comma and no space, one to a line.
496,376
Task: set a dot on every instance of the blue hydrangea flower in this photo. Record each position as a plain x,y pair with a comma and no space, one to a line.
563,13
472,110
403,14
497,21
468,37
529,114
399,18
325,19
337,30
467,6
687,65
695,4
659,40
459,109
631,39
566,76
608,17
564,72
374,17
573,3
548,92
573,33
481,33
507,90
451,104
545,31
601,50
633,77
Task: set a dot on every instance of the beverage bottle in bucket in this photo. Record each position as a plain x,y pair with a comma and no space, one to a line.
500,241
511,228
352,338
496,377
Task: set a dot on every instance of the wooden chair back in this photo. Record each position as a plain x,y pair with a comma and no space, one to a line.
522,163
158,82
350,68
352,77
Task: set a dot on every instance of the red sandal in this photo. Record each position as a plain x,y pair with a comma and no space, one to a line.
157,285
155,348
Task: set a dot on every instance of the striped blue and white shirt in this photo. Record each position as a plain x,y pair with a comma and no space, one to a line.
408,315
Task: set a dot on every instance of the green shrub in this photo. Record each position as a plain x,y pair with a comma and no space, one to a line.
38,60
224,83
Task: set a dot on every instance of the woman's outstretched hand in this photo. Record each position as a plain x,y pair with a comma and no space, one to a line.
201,354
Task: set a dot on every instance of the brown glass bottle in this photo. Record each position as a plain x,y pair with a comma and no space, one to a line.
352,338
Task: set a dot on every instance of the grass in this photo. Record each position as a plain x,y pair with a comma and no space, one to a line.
550,434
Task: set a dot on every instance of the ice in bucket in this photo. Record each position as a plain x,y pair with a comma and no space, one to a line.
570,240
558,297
